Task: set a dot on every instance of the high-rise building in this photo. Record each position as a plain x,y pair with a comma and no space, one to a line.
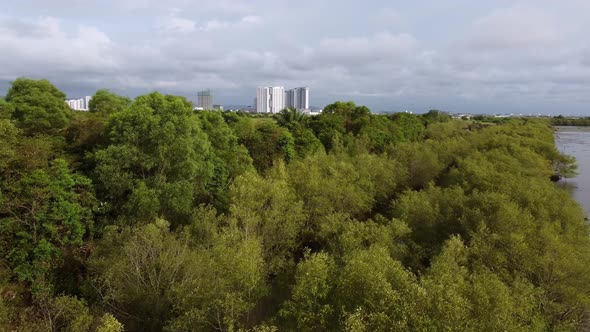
297,98
270,99
79,104
205,100
87,102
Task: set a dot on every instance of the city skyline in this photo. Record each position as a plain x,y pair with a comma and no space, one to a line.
502,56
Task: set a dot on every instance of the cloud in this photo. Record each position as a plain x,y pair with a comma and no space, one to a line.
390,16
41,46
173,23
529,51
381,48
216,24
251,19
517,27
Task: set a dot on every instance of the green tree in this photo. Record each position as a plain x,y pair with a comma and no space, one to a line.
411,126
9,136
231,159
39,107
268,208
227,282
435,116
45,216
310,308
136,269
158,162
387,295
107,102
289,117
266,141
6,109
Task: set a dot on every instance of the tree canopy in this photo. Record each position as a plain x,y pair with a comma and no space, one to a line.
142,215
37,106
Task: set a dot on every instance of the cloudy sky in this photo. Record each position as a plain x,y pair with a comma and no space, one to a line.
521,56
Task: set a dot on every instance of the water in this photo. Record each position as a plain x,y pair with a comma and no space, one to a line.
575,141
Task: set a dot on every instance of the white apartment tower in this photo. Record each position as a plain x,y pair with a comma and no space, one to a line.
297,98
270,99
79,104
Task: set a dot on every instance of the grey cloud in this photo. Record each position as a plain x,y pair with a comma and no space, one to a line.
515,28
54,50
378,52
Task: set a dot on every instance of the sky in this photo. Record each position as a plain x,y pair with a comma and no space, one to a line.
501,56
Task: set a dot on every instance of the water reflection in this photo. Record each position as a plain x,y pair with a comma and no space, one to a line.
575,141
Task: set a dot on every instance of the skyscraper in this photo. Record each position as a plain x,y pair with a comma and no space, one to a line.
205,99
270,99
297,98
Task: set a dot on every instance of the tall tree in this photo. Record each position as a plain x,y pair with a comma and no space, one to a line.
106,102
39,107
158,162
44,217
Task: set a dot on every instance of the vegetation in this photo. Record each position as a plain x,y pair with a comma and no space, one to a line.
570,121
142,215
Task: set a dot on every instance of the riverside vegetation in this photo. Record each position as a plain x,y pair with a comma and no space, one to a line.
141,215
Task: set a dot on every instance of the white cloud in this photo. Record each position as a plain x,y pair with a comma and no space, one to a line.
524,52
173,23
516,28
251,19
42,46
216,24
381,48
390,17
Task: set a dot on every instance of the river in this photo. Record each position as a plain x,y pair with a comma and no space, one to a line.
575,141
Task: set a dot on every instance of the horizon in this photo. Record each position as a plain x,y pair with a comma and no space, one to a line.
521,57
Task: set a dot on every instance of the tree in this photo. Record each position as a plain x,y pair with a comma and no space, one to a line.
155,278
354,117
289,117
9,136
6,109
158,162
269,209
227,282
231,159
39,107
107,102
135,270
266,141
338,119
45,216
421,161
411,126
435,116
310,308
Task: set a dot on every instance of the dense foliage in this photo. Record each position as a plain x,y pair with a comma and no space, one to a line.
571,121
142,215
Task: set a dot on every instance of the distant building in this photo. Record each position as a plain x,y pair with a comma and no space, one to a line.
217,108
270,99
79,104
87,102
205,99
297,98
